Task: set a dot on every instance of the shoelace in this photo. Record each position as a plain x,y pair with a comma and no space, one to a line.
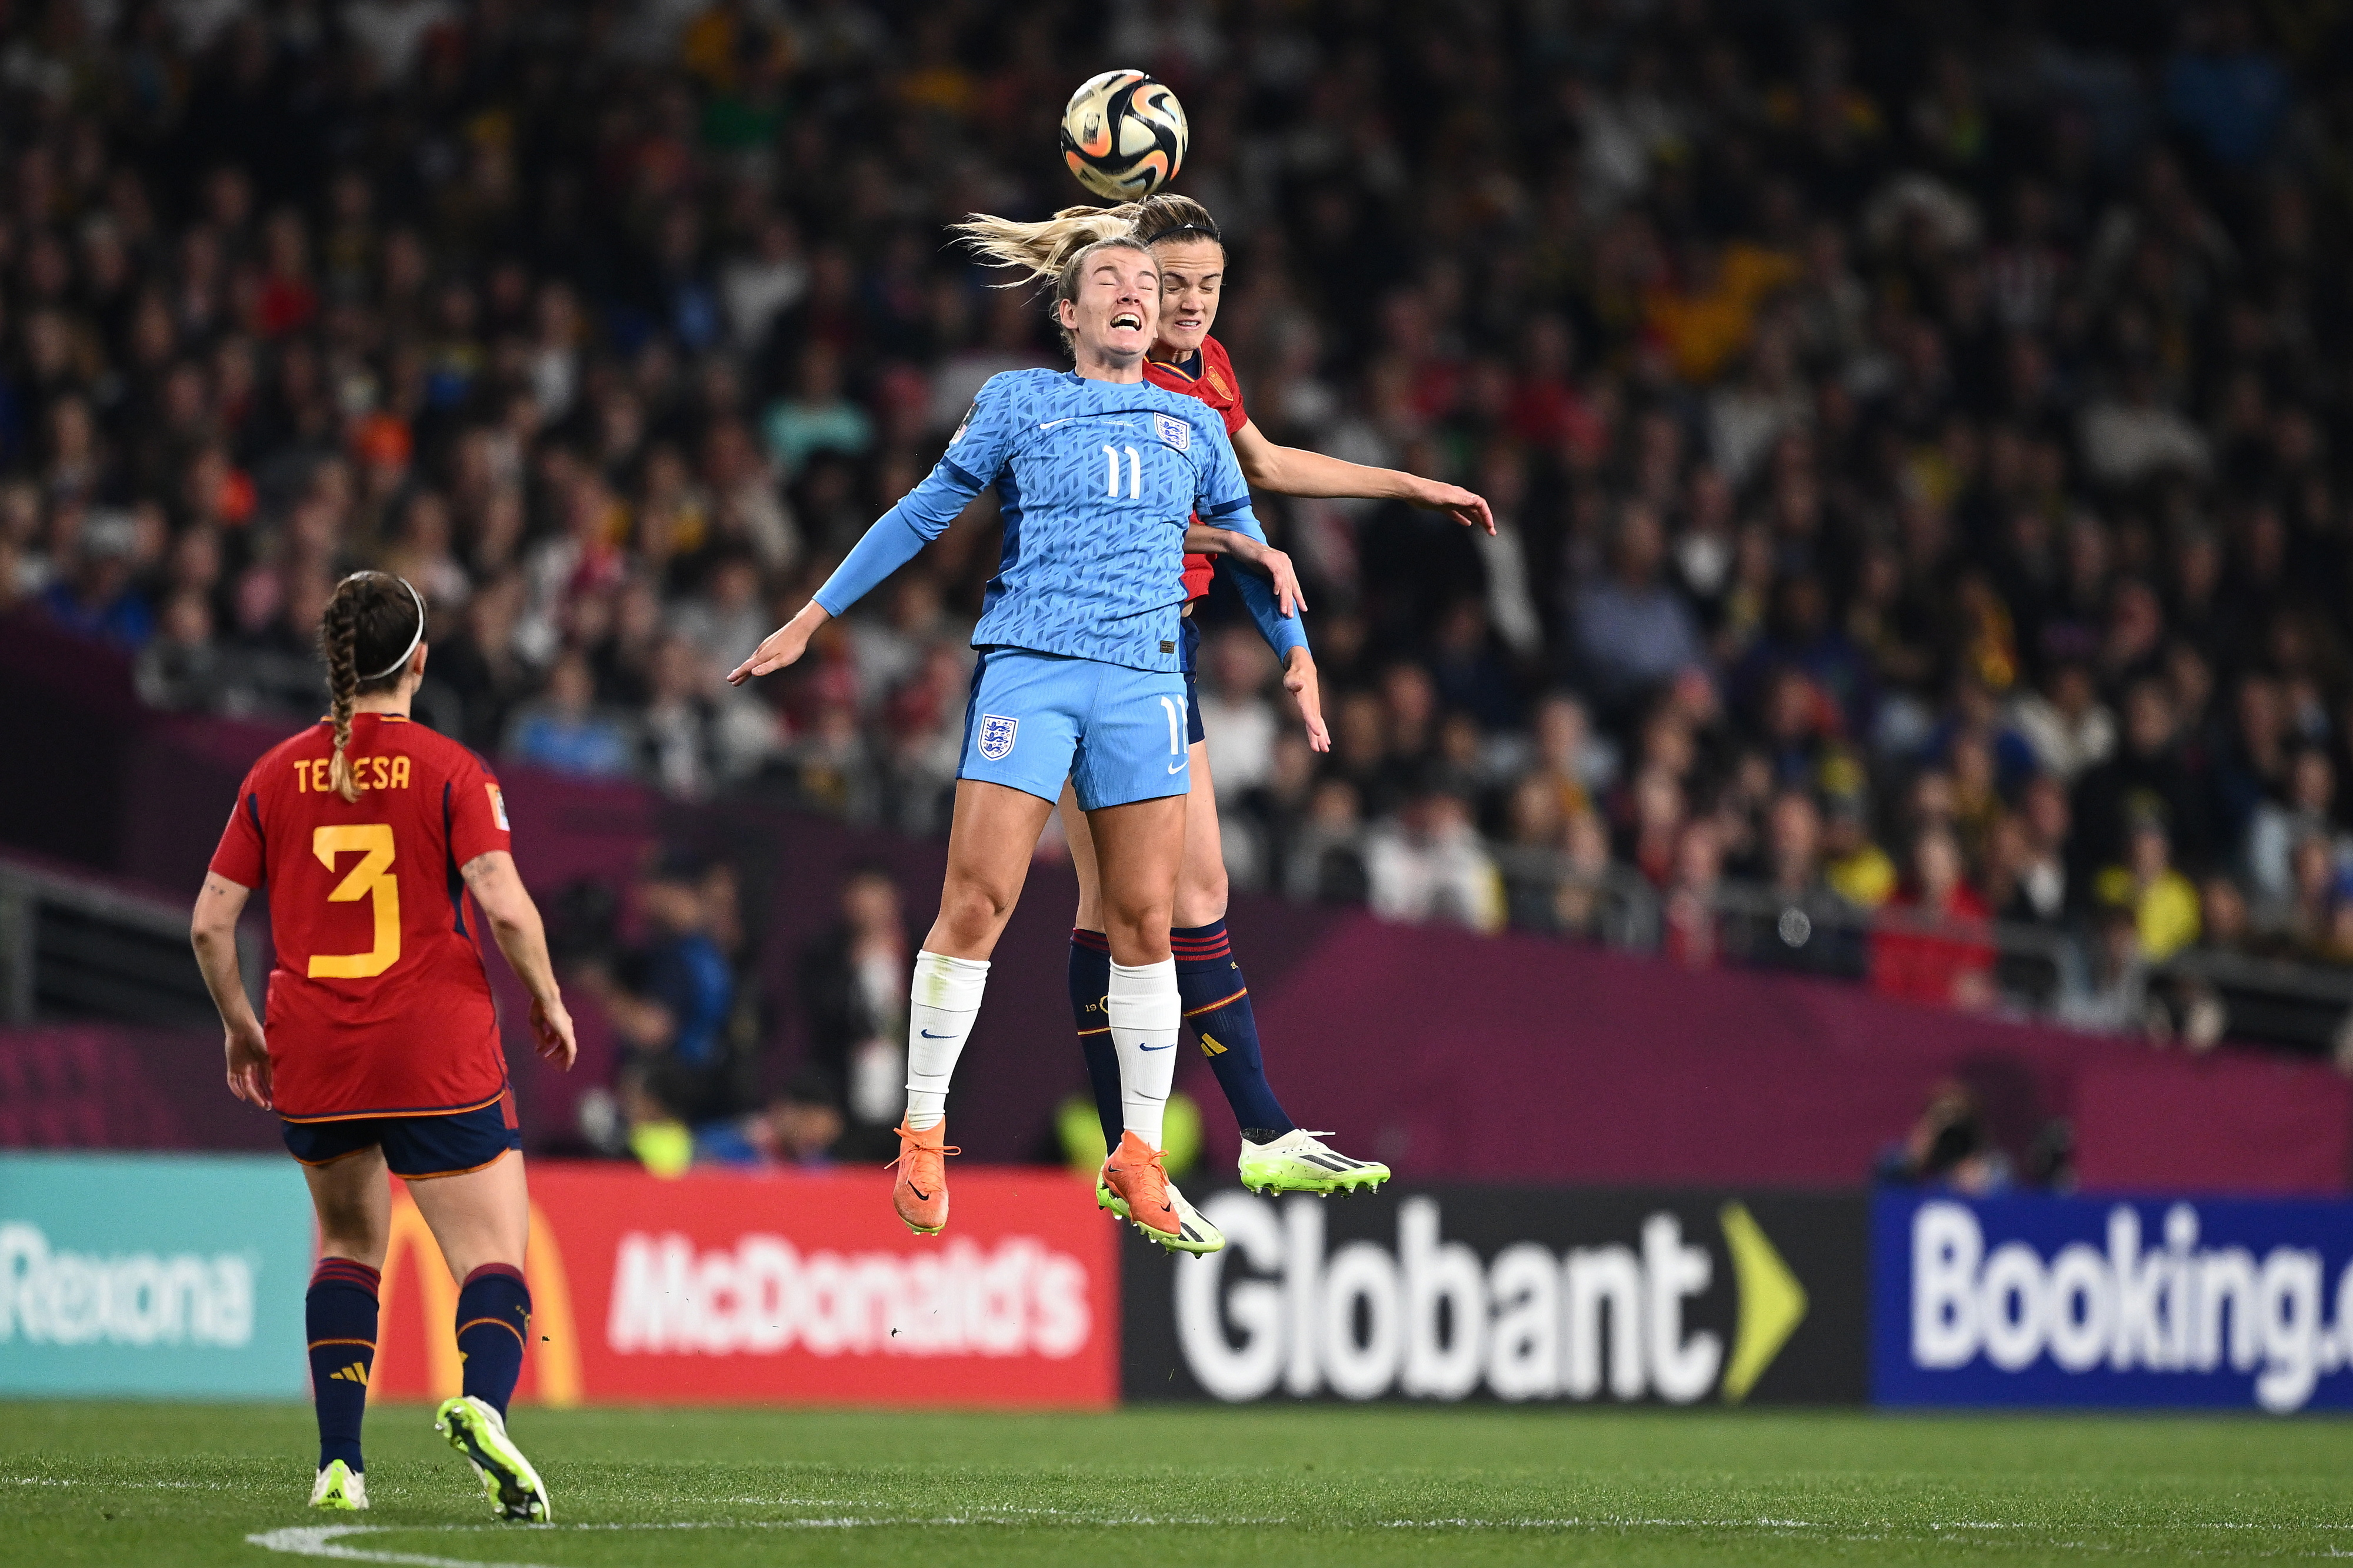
905,1138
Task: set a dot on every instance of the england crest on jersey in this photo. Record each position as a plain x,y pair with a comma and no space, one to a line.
997,736
1173,431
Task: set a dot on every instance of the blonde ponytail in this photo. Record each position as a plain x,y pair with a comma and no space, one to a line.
1042,249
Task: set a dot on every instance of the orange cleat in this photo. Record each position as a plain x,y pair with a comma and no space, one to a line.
1135,1173
920,1192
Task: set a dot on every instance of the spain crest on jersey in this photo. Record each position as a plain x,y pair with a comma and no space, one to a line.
997,736
1173,431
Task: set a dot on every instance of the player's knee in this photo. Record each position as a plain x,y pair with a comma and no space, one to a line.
1138,932
975,909
1201,895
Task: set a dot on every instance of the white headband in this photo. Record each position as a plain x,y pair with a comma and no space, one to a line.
419,638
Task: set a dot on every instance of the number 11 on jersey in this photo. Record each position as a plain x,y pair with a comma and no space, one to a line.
1135,472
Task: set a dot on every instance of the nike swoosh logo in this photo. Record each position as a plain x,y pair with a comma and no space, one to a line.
919,1191
1177,767
929,1036
1050,423
1169,1047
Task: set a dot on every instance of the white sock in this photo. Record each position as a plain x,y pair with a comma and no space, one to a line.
941,1004
1147,1016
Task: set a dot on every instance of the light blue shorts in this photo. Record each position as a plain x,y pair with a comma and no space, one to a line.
1116,733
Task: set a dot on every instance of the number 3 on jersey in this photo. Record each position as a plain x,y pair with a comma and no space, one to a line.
371,879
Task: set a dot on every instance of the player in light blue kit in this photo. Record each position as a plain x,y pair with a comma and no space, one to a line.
1096,472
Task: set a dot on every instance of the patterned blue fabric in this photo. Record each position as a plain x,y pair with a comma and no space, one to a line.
1117,733
1096,482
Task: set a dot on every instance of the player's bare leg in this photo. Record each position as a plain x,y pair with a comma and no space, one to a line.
1138,848
994,833
1276,1153
482,1220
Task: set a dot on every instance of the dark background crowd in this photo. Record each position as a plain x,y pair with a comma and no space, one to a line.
1917,435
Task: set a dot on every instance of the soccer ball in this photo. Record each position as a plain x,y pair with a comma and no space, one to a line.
1123,135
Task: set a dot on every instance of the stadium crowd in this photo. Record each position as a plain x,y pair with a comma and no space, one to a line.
1918,438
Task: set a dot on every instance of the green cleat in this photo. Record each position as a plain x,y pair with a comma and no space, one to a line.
341,1488
477,1431
1298,1162
1193,1234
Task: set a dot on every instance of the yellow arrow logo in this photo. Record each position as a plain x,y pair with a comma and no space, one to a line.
1772,1302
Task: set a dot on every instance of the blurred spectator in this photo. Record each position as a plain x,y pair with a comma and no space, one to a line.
673,1002
564,733
1938,948
852,982
799,1128
1947,1147
1633,631
2164,902
1426,863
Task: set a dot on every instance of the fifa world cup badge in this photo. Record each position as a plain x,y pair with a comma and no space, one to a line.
997,736
1172,431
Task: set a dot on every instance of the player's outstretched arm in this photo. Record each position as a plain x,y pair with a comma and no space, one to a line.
783,646
212,932
1296,471
1275,565
499,891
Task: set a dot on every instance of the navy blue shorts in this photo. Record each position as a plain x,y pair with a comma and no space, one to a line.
1194,731
449,1144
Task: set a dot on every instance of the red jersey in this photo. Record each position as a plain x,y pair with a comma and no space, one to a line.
1209,376
378,1003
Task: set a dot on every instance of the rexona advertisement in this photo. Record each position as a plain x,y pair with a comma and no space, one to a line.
2041,1301
1458,1292
730,1289
153,1274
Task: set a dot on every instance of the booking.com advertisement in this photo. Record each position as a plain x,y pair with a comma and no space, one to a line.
153,1274
2169,1301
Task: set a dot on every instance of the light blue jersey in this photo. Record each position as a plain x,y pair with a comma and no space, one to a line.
1096,482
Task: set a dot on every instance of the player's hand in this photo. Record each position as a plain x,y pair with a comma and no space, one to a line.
782,646
553,1024
248,1063
1300,680
1288,597
1469,508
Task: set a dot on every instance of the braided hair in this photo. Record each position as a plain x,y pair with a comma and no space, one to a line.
372,624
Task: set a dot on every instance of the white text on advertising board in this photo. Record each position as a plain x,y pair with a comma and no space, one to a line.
2157,1303
55,1295
763,1296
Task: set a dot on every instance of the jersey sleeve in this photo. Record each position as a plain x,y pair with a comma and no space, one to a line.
1224,502
976,453
477,813
241,856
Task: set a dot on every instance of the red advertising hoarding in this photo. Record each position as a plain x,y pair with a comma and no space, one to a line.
785,1290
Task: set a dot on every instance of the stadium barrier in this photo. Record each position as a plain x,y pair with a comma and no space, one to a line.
153,1276
725,1289
1457,1292
2163,1302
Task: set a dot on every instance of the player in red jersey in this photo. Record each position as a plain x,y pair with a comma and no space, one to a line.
1276,1152
381,1051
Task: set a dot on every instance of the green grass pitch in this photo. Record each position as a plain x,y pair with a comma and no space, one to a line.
175,1484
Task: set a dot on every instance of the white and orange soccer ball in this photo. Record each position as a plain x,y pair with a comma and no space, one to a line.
1123,135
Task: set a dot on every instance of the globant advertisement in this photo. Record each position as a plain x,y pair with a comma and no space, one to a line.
2226,1303
156,1275
1462,1292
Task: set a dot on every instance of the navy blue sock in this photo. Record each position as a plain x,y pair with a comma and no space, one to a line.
1089,982
1218,1006
493,1316
339,1320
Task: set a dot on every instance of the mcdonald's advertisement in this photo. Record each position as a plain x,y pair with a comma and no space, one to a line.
1457,1292
784,1290
170,1276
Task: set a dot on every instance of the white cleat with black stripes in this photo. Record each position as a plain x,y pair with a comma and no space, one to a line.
1300,1162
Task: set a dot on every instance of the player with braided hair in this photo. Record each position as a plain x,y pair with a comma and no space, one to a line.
381,1052
1190,253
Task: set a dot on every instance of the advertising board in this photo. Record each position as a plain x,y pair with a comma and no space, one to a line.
174,1276
1459,1291
788,1289
2033,1300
